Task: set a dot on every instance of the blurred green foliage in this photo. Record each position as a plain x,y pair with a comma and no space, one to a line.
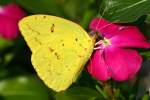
25,87
18,79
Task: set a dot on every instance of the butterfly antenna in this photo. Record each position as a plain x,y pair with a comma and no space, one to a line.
109,24
101,15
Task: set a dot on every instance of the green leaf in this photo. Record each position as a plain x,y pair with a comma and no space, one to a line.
144,82
148,19
7,58
87,17
124,10
5,43
76,8
3,2
146,54
79,93
24,87
41,6
146,97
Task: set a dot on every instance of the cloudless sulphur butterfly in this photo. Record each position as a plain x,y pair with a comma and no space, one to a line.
60,48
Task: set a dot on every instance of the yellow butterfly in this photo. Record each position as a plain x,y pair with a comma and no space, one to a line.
60,48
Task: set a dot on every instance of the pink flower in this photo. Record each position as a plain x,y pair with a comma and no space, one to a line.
9,16
113,57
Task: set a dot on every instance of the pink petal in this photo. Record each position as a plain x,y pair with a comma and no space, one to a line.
12,10
8,28
123,63
129,36
105,28
9,16
97,67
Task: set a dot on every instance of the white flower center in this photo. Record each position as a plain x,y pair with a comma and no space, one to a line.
101,44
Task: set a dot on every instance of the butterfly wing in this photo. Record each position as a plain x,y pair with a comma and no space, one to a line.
60,48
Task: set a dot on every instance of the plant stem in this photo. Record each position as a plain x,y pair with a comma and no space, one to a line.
101,92
109,90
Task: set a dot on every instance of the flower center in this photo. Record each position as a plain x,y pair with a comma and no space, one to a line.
106,42
101,44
